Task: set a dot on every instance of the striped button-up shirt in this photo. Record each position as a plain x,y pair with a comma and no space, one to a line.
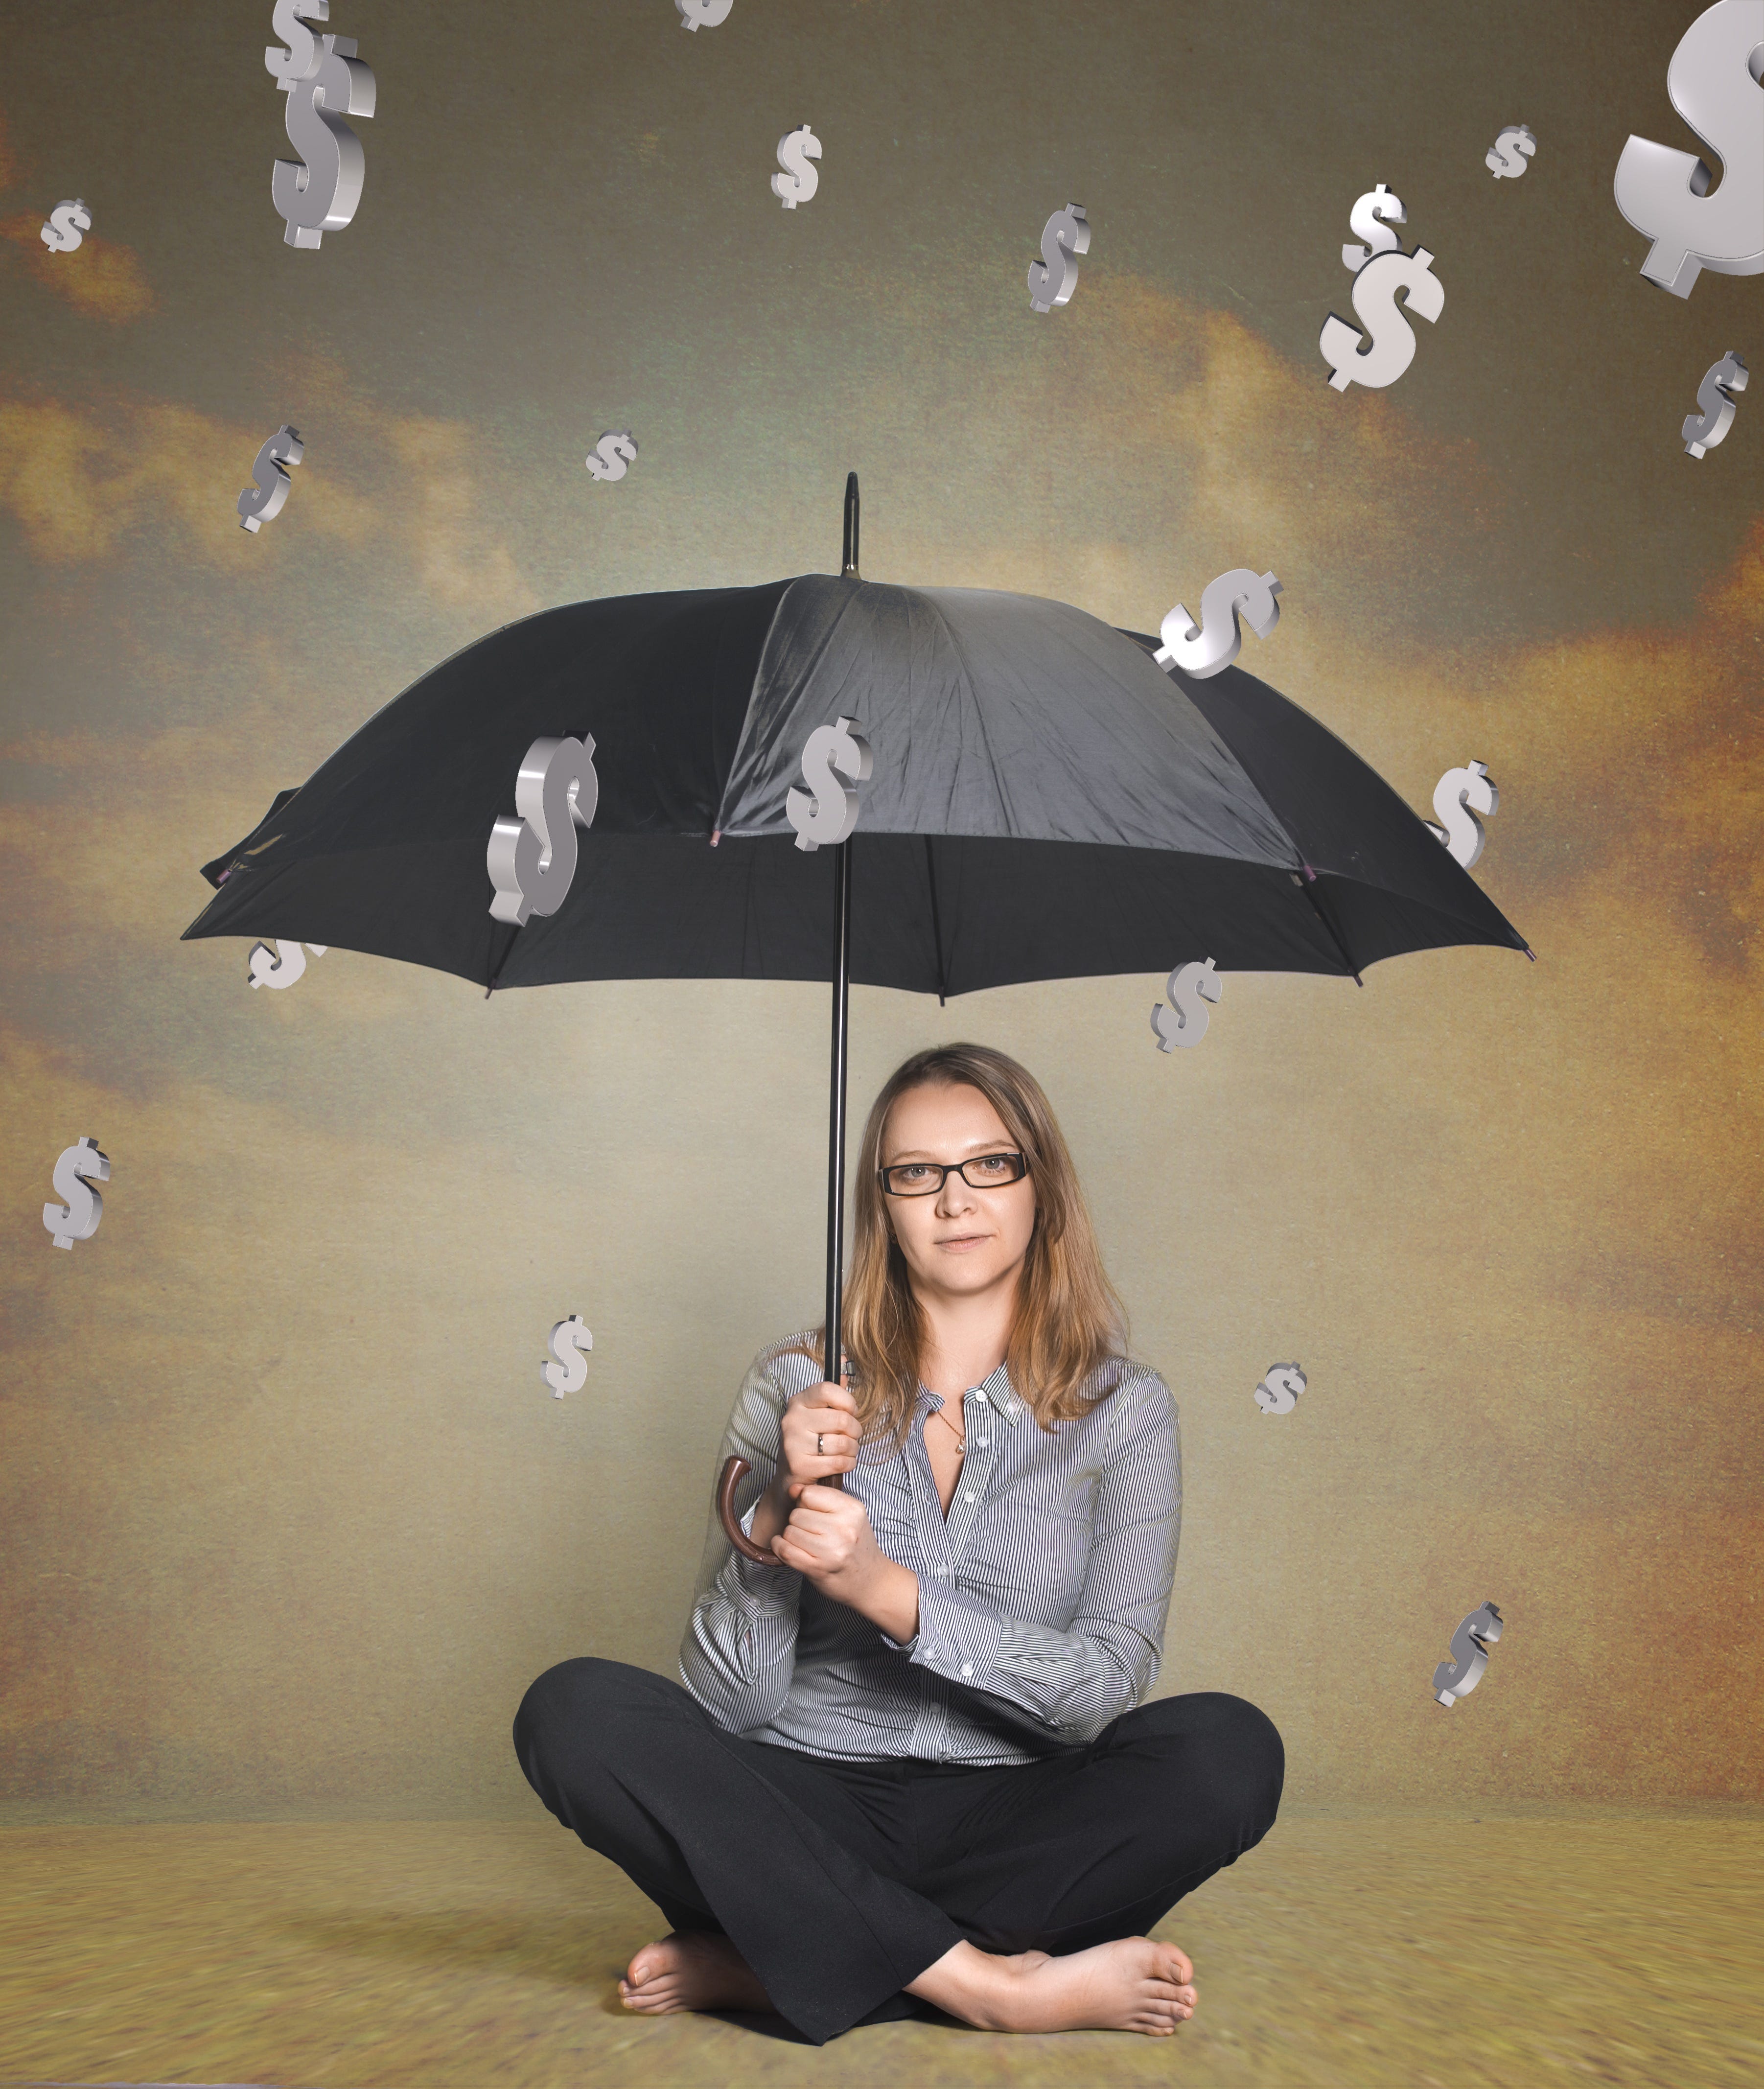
1041,1598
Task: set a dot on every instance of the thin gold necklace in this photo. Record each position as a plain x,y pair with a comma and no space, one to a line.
961,1441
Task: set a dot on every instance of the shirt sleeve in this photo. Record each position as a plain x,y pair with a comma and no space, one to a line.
1071,1684
739,1654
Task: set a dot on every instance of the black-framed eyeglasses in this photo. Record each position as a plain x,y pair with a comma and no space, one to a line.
926,1178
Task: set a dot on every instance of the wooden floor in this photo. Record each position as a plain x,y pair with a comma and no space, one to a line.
1422,1949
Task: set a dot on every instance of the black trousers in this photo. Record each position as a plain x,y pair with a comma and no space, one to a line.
839,1882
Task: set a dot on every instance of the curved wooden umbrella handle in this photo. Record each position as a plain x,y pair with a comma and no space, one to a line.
735,1470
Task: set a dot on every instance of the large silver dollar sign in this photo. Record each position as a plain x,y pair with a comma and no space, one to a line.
1456,1678
531,860
1456,793
77,1218
1054,278
1379,239
611,457
298,59
1702,432
1716,81
259,504
1279,1390
1507,156
321,196
1210,646
1393,345
282,966
798,181
1186,987
66,222
710,13
566,1342
830,814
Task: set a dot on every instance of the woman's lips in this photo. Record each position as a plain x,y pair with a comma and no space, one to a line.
963,1241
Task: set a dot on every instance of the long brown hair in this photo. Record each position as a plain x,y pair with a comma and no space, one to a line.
1069,1317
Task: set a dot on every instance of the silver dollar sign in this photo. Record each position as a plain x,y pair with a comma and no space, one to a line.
1279,1390
66,222
258,503
1364,218
1457,791
1186,987
1715,79
282,966
1393,345
1054,278
1456,1678
77,1218
567,1341
609,457
1210,646
321,196
531,860
711,14
1714,395
1507,156
830,814
298,59
798,181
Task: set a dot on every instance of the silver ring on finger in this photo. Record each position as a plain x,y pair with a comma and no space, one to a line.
818,1452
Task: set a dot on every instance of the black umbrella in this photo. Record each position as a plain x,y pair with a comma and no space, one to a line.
1046,802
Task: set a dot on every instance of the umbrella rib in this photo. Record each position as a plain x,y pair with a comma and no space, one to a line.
937,925
1308,886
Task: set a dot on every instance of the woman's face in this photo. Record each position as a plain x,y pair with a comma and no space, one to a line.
962,1239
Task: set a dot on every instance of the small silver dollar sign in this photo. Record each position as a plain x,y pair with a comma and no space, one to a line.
66,222
1391,346
259,503
1210,646
77,1218
282,966
567,1341
616,450
1187,986
798,181
1702,432
1279,1390
830,813
1458,792
1375,204
1054,278
532,859
318,193
1455,1679
1507,156
710,13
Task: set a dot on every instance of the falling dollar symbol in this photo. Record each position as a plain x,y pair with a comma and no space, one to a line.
1715,79
1054,278
1506,157
1210,646
77,1218
531,860
711,14
1714,395
1364,218
1279,1390
1456,1678
300,59
66,222
830,813
567,1341
1186,987
1391,346
321,196
259,503
282,966
609,457
1457,797
798,181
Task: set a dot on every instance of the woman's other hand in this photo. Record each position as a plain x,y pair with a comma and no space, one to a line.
828,1540
826,1414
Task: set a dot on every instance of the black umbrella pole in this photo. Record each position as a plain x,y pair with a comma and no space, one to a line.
833,1354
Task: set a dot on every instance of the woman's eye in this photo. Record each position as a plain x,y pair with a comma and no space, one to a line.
911,1174
994,1164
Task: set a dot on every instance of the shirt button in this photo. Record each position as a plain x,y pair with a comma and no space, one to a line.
968,1495
982,1441
967,1668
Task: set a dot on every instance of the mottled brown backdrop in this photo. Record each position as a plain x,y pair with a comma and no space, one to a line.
289,1520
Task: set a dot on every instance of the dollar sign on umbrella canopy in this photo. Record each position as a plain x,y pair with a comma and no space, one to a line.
532,860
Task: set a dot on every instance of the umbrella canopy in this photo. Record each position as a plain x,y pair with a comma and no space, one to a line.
1046,802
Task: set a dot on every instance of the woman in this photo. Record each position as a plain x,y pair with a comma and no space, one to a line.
906,1762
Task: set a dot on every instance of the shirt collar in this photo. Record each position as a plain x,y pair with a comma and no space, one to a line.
996,1386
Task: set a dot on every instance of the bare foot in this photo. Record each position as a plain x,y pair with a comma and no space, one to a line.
1132,1984
693,1969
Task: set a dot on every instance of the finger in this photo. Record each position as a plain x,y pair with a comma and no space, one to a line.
838,1396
